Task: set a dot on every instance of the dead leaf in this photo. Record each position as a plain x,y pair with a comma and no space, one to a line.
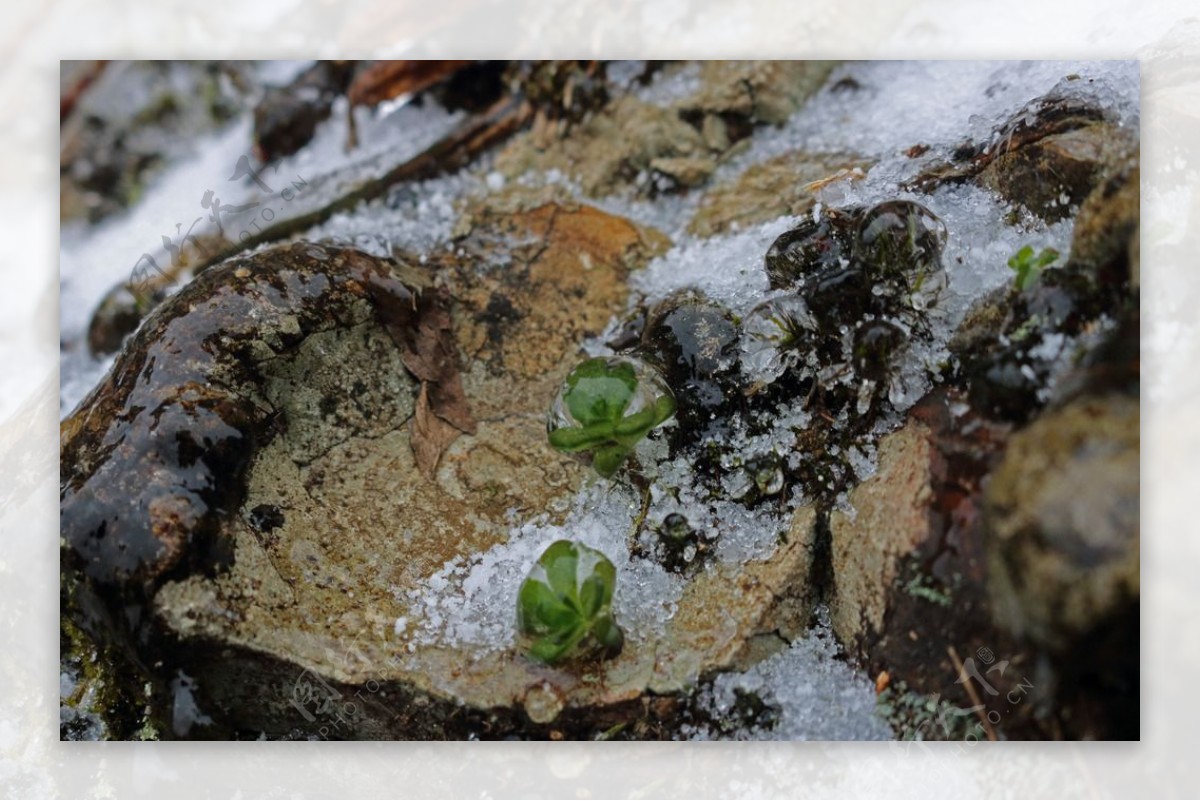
417,317
433,358
430,435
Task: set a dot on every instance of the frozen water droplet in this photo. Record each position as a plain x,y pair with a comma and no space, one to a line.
605,407
772,335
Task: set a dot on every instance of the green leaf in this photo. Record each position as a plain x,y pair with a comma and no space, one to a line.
597,391
1021,257
609,634
591,596
565,599
573,440
1047,257
548,611
636,425
561,563
552,648
664,407
540,610
607,460
1028,267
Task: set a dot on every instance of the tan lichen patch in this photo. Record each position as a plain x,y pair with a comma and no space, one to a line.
890,519
783,185
762,91
562,275
609,150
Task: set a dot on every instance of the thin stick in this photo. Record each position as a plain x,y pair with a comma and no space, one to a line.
979,706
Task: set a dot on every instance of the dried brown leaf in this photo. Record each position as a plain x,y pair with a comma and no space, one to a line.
430,435
433,358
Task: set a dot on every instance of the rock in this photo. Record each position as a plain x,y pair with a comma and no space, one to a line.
286,117
519,328
694,342
133,119
271,600
688,172
909,592
609,150
1104,243
1050,175
1062,512
983,323
1062,516
863,576
1002,343
616,144
760,91
1046,157
120,312
782,185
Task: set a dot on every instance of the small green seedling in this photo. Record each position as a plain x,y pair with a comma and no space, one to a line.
596,411
1028,267
564,604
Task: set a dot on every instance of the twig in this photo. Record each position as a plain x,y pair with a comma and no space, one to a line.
979,705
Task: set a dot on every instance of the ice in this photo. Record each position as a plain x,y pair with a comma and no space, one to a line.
807,693
729,269
940,104
414,219
471,603
671,84
185,713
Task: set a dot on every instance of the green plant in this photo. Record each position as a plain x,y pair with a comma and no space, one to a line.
605,407
564,604
1028,266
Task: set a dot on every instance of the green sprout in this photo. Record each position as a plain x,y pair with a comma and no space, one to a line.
1028,267
605,408
564,604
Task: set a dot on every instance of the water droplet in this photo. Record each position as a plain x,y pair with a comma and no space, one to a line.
773,335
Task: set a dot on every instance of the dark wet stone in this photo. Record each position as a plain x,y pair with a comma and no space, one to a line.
1055,173
899,239
694,342
287,116
1007,385
811,248
118,315
678,546
153,459
876,344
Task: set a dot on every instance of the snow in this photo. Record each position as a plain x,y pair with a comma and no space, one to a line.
810,692
472,602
